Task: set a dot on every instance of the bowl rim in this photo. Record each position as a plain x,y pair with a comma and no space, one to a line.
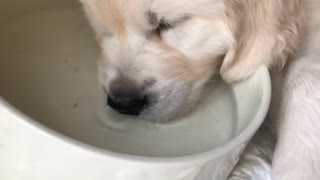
241,139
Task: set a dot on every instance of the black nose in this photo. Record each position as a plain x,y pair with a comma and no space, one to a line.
125,96
128,105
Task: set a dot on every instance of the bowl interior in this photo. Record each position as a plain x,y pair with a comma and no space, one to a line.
48,71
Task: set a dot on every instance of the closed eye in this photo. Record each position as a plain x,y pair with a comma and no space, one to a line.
159,24
162,24
165,25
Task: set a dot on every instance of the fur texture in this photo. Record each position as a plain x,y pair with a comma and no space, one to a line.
179,45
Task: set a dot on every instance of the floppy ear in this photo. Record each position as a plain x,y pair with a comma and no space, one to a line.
264,34
247,54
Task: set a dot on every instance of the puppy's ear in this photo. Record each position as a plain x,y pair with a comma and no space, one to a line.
264,34
249,51
95,16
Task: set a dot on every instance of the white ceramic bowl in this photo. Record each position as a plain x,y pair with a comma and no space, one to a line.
50,129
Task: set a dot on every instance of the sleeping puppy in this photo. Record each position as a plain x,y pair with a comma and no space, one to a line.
157,55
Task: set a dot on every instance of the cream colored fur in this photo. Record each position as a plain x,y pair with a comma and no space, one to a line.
230,37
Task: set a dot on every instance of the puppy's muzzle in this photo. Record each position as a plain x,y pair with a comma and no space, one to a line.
126,98
128,105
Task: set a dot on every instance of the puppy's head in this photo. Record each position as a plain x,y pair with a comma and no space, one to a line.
157,55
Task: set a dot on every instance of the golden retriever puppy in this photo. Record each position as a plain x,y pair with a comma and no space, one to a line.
157,55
